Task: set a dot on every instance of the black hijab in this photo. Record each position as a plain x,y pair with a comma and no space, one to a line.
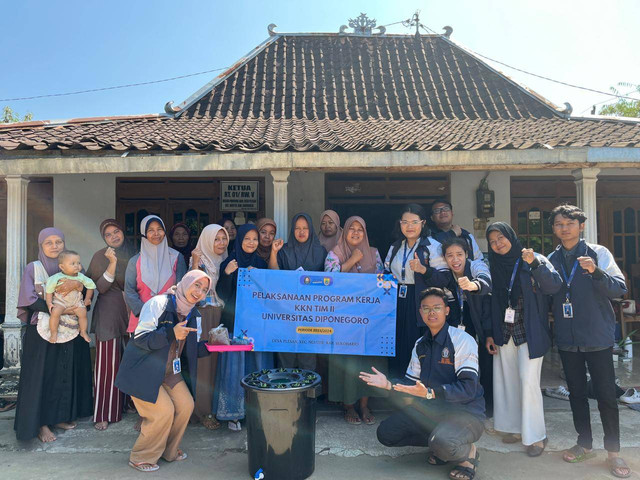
243,258
501,266
309,255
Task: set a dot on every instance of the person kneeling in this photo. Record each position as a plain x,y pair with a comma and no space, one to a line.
449,416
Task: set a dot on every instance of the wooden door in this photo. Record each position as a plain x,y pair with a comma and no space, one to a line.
131,213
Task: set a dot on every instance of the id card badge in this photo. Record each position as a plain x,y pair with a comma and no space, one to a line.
509,315
567,310
177,367
402,292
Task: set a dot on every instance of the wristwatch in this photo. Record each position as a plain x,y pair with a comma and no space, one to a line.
430,394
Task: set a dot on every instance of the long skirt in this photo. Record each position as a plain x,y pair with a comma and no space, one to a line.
109,401
55,383
345,385
206,365
228,394
407,333
517,398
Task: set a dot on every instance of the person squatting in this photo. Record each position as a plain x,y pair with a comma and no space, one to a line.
470,336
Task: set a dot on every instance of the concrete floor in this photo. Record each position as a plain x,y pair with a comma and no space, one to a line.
342,451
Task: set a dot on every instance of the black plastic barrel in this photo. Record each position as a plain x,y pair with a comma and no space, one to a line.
281,422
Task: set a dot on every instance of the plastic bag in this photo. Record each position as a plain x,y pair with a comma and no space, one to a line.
219,335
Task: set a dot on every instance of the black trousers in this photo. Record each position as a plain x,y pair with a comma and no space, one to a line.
600,365
448,435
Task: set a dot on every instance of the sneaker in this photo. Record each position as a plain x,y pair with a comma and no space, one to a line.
630,396
560,392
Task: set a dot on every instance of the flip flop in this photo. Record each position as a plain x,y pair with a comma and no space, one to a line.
181,456
144,467
615,463
352,418
579,454
210,422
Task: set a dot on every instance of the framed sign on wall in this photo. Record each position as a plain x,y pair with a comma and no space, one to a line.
239,196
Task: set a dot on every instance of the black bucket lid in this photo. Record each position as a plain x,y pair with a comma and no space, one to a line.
281,380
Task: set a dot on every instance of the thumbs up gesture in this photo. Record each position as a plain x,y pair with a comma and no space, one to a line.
416,265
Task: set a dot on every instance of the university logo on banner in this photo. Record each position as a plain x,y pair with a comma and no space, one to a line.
317,312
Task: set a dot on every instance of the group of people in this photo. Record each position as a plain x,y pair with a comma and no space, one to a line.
470,338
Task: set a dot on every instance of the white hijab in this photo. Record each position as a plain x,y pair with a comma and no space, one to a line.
156,261
204,249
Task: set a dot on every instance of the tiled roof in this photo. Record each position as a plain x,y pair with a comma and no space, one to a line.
342,92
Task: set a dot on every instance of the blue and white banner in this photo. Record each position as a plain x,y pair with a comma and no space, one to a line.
317,312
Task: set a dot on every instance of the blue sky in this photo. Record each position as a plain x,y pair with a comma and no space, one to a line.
61,46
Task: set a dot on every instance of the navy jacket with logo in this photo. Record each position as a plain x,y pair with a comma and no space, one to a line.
448,363
536,284
144,361
593,323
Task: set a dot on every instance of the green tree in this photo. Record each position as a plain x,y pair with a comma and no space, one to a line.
623,107
9,116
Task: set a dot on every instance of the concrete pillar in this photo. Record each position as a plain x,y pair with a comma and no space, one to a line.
280,202
585,179
16,261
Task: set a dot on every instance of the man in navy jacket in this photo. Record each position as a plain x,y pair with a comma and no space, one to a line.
585,331
448,413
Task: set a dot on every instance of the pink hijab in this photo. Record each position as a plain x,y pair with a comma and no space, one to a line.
329,243
192,276
343,250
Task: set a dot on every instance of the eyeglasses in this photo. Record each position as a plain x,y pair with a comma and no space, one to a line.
436,309
413,223
438,211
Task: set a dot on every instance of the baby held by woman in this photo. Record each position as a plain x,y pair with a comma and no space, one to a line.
70,267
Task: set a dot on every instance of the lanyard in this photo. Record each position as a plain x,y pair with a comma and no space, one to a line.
405,256
178,342
461,300
513,279
570,278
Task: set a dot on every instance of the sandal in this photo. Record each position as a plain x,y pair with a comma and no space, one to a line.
579,454
512,438
210,422
433,460
617,463
144,467
535,451
352,417
466,473
234,425
368,417
180,457
6,405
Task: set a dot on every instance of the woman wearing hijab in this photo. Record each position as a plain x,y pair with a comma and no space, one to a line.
416,261
159,370
109,322
55,378
228,394
303,251
180,236
353,254
209,253
518,335
267,232
231,229
330,229
152,271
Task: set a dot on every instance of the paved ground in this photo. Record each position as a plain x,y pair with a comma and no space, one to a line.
342,451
